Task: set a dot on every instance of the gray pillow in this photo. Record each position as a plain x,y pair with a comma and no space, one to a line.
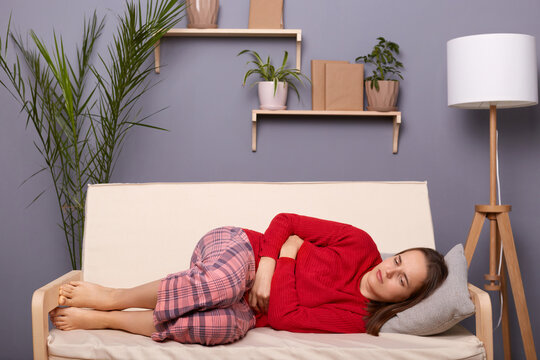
447,306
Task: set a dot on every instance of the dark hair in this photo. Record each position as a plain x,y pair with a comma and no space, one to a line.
381,312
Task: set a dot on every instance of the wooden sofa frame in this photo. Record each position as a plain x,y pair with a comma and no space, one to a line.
45,299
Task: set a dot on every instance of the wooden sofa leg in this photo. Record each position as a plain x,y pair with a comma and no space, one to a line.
44,300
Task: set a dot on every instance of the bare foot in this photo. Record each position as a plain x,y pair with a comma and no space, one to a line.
72,318
86,295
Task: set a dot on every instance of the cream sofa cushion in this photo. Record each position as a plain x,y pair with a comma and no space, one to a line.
265,343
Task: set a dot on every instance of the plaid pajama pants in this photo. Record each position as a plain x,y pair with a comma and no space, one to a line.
205,304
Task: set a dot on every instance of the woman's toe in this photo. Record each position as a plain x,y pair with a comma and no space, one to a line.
66,289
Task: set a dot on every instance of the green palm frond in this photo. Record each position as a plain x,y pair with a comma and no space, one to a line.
81,124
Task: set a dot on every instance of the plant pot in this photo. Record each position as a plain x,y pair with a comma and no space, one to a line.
202,14
270,101
385,99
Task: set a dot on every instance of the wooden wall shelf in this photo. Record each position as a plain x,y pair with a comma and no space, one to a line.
395,115
184,32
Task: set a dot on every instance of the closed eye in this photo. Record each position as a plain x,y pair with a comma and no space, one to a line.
404,280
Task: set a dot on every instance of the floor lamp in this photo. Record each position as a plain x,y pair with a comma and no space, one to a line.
491,71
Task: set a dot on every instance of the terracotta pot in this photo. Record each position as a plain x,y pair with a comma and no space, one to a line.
385,99
267,99
202,14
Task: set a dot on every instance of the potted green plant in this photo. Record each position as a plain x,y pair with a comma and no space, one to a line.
382,87
275,81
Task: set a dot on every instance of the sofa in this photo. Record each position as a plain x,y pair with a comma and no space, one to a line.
135,233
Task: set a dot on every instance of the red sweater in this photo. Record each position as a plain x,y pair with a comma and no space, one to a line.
320,290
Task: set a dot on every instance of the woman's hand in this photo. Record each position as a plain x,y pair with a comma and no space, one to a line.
291,246
260,292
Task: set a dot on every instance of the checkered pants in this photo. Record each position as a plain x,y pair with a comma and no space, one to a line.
205,304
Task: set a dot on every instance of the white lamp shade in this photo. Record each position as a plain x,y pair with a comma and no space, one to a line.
492,69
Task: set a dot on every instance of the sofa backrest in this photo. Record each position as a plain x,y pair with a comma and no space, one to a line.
136,233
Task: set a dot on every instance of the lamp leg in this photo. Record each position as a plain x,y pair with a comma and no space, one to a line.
474,234
504,294
512,265
504,238
505,323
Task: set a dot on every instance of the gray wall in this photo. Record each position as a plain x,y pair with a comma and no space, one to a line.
208,116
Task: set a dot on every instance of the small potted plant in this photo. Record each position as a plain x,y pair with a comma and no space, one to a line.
275,81
382,87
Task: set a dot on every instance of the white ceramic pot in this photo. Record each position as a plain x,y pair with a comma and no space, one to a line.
270,101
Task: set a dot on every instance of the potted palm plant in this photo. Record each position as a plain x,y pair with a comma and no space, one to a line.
275,81
382,87
81,114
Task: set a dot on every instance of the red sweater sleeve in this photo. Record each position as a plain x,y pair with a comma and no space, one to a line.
288,314
317,231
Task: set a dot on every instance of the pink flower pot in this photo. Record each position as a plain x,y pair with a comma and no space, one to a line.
385,99
202,14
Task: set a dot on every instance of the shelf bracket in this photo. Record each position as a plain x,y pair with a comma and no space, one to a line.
298,50
253,131
157,57
396,120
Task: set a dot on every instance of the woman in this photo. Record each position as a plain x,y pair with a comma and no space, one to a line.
303,275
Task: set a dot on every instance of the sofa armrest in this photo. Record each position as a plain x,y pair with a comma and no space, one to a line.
484,322
44,300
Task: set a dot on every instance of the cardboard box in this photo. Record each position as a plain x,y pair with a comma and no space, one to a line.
344,88
265,14
318,82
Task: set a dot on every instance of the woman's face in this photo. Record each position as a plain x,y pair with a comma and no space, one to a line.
396,278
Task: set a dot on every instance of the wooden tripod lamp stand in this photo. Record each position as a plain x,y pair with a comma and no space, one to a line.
493,71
